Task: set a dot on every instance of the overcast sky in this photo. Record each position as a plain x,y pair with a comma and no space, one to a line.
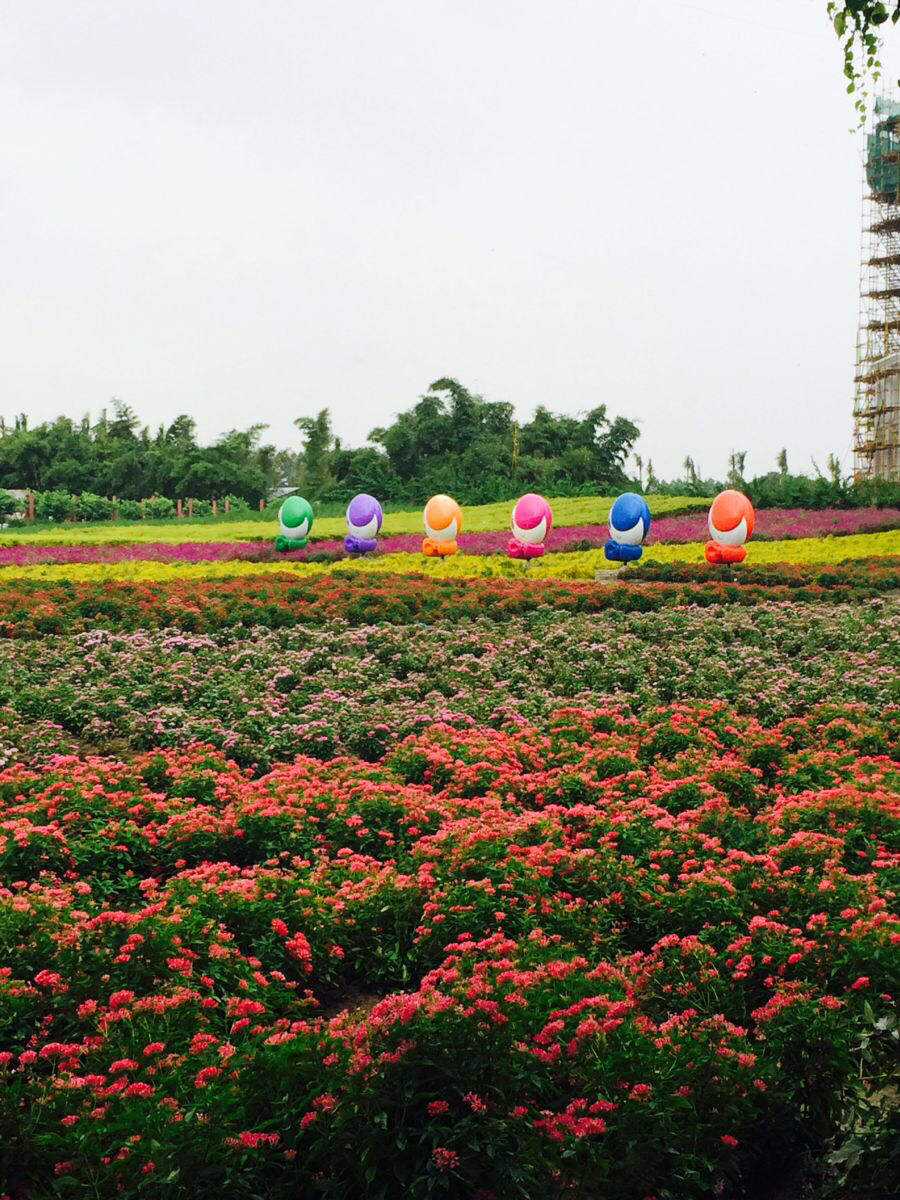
250,211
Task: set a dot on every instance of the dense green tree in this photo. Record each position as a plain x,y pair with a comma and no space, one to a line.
454,441
315,460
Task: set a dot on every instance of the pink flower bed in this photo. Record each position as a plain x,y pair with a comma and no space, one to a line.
774,523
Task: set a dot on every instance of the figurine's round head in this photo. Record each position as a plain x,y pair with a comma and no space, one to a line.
442,518
364,516
629,519
532,518
730,518
295,517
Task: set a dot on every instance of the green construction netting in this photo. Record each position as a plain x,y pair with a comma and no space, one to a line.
883,148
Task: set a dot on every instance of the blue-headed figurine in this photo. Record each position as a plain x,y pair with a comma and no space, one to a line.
629,524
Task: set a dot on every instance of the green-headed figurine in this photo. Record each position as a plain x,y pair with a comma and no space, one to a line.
295,518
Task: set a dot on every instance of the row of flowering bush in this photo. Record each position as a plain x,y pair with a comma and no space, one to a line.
575,564
88,506
610,958
33,607
771,525
265,695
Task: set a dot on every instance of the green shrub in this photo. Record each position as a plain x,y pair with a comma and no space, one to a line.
52,506
90,507
129,510
159,507
8,504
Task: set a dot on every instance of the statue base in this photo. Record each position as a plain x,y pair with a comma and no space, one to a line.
609,574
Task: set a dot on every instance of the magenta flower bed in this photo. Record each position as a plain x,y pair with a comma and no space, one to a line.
774,523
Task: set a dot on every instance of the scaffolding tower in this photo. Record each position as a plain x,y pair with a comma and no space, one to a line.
876,409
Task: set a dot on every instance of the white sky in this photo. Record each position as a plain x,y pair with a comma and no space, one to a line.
250,211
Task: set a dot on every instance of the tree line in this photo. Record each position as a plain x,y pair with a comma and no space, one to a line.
450,440
116,456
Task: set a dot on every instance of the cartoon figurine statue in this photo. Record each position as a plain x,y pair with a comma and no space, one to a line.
295,518
443,521
629,523
364,518
730,522
532,518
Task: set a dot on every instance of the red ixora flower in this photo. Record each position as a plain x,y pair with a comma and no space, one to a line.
253,1141
50,979
139,1089
728,1140
122,1064
859,984
444,1159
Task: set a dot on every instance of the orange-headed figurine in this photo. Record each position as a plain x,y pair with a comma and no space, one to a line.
443,521
730,524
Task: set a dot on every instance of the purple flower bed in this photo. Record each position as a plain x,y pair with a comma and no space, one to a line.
774,523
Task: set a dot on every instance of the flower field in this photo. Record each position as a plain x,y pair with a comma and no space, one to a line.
386,880
33,608
576,564
778,524
360,691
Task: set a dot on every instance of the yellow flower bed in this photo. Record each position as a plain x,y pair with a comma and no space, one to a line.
583,564
482,518
576,565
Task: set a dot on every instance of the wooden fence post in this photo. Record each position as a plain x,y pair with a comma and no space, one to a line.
215,508
143,514
115,509
31,506
190,508
227,505
262,505
179,508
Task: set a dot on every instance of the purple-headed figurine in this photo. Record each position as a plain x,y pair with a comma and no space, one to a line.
364,517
